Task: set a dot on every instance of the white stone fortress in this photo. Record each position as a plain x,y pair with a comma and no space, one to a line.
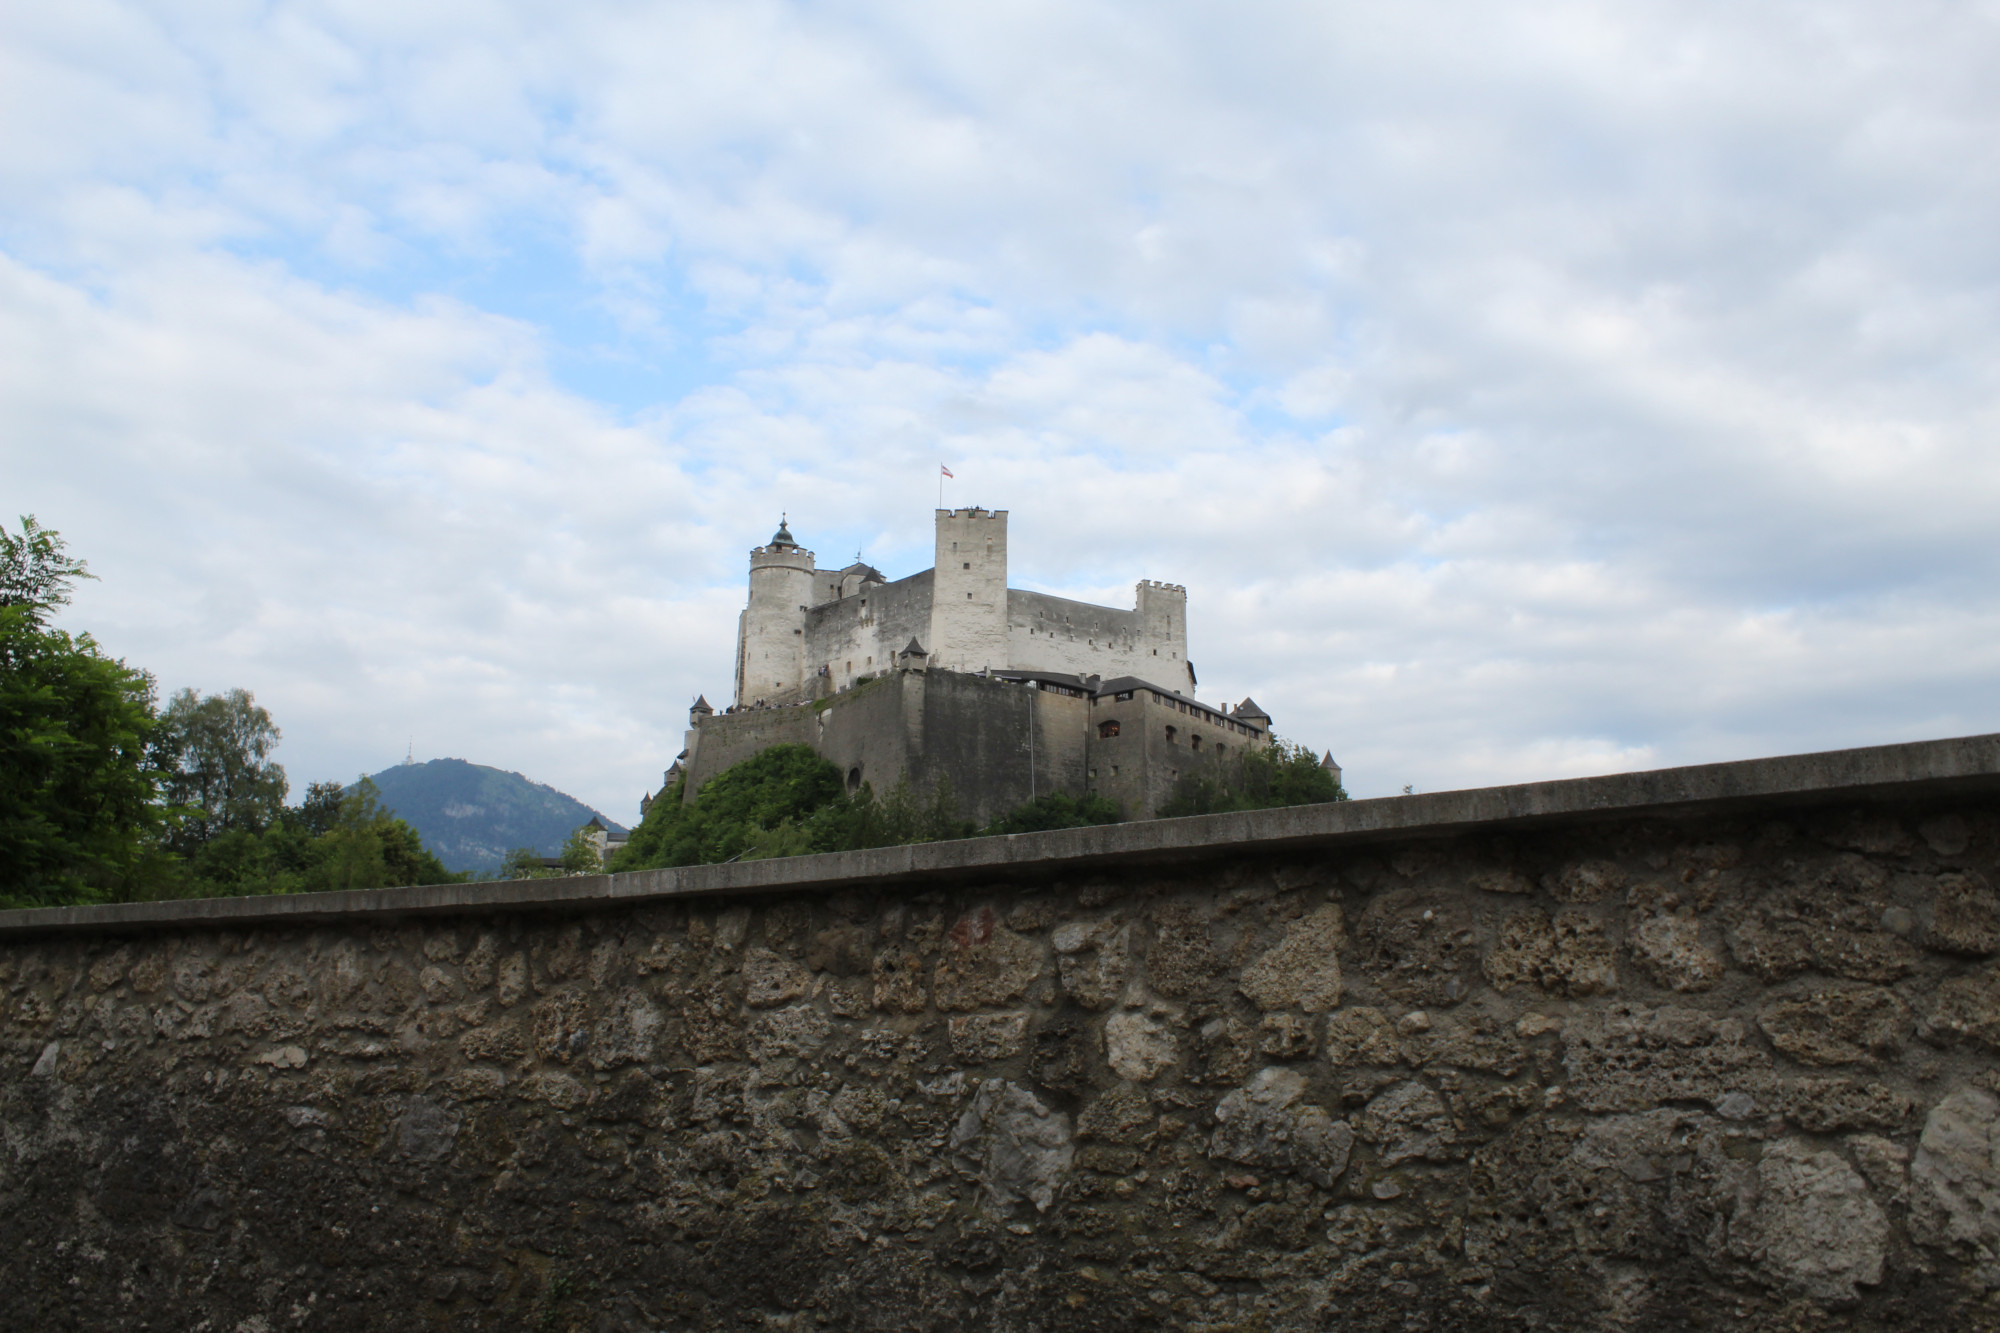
950,675
807,632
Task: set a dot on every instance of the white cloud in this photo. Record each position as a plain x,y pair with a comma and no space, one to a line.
1519,392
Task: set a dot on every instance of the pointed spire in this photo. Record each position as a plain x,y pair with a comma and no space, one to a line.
701,705
783,536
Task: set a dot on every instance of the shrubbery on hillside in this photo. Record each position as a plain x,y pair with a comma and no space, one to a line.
1283,774
787,801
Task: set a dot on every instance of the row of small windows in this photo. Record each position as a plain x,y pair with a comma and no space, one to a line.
1109,728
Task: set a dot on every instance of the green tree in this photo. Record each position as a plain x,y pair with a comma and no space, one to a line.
79,818
78,813
214,756
732,811
36,570
579,853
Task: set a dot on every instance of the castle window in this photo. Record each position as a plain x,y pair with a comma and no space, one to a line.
1106,730
1122,697
1171,734
1220,750
853,779
968,564
1194,742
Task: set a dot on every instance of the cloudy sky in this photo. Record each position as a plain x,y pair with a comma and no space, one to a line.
1521,391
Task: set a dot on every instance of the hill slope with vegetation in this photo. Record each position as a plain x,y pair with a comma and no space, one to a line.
473,816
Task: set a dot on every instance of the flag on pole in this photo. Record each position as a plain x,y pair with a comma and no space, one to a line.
947,471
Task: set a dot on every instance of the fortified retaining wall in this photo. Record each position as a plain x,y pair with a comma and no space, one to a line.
1703,1048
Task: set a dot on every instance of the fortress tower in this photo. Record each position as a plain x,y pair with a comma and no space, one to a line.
969,592
770,633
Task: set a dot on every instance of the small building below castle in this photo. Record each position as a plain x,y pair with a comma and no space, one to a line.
950,674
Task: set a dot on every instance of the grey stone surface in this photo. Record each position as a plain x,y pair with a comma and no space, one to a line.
838,1092
1020,1148
1267,1123
1955,1181
1814,1225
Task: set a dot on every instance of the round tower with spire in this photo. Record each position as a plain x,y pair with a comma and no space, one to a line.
770,638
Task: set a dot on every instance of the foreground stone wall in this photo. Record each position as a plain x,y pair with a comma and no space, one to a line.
1734,1070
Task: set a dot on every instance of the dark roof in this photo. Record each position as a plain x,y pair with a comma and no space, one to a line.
701,705
783,536
1249,708
867,572
915,649
1063,678
1328,761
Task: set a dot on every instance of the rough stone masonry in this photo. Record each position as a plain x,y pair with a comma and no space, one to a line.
1710,1048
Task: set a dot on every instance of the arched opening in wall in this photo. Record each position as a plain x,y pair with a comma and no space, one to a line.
1106,730
853,780
1172,733
1221,750
1194,741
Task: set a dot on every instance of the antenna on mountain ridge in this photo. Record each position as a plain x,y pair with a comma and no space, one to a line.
410,756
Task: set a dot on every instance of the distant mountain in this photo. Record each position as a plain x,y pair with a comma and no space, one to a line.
472,815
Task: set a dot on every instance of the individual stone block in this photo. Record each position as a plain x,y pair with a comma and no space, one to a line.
1224,1051
1407,1122
899,981
626,1033
1668,946
1477,1042
1019,1149
1121,1114
1967,1009
842,950
1858,1025
1628,1057
1301,971
1965,915
770,980
1139,1043
796,1032
1267,1123
1955,1181
500,1042
1568,956
426,1131
1824,916
560,1026
981,1037
984,964
1825,1105
1182,961
1093,960
1814,1226
1287,1036
1362,1036
1418,946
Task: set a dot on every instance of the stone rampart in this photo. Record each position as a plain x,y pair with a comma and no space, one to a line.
1708,1047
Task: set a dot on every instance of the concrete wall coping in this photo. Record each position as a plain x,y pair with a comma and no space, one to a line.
1969,764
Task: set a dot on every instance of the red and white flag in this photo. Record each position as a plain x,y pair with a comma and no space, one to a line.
947,471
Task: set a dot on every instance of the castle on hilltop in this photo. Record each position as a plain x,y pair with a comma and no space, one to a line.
950,673
808,632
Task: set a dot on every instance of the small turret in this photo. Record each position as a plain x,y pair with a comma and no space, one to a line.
913,657
700,709
1331,767
1250,715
